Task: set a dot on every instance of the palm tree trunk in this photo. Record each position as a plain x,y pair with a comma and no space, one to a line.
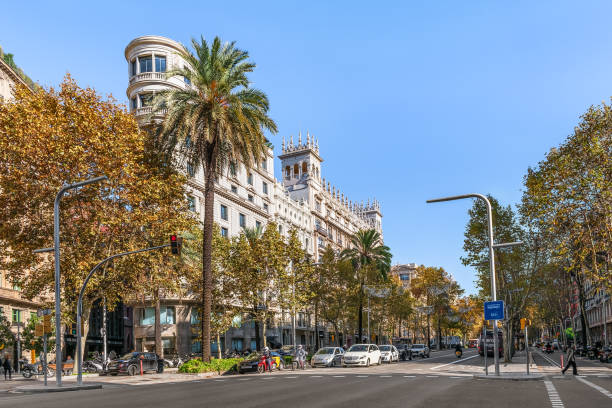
360,314
316,319
209,207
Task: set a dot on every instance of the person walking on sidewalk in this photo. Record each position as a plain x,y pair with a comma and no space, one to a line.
571,360
6,364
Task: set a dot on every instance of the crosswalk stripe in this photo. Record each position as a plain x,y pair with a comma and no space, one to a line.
553,395
597,387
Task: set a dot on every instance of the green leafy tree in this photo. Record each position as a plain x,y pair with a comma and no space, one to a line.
6,335
216,120
371,261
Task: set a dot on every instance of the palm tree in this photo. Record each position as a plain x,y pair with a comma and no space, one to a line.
216,120
371,259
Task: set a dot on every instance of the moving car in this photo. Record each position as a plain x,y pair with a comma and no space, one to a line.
327,357
489,343
251,361
362,354
404,351
472,343
389,353
130,364
420,350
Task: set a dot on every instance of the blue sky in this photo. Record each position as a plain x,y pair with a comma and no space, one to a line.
409,100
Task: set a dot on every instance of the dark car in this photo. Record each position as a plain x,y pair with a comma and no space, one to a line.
130,364
490,344
251,361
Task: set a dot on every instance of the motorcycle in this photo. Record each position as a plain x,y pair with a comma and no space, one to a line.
591,353
458,353
262,366
28,370
548,348
605,355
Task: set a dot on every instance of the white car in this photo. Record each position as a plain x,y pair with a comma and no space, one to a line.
362,355
389,353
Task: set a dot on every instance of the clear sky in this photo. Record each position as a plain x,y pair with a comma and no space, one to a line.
409,100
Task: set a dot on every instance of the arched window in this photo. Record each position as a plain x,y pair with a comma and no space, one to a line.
287,172
296,170
304,168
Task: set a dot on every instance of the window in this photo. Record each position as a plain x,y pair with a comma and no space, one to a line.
191,203
257,224
265,207
280,229
232,168
251,199
196,347
265,188
287,172
234,189
160,64
223,212
146,316
242,220
296,170
195,316
224,233
264,165
134,103
133,67
250,178
145,99
16,315
190,170
304,168
404,277
307,243
146,64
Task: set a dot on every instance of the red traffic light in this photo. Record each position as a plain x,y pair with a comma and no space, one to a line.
175,244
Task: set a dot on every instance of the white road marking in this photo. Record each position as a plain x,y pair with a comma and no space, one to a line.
597,387
431,376
409,376
243,379
454,362
219,380
362,376
553,395
339,376
291,377
316,376
456,377
386,376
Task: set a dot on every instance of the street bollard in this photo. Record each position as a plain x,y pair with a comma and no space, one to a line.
561,360
140,365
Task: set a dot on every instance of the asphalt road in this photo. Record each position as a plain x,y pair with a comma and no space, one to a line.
441,381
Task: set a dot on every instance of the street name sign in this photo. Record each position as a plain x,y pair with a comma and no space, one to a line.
494,310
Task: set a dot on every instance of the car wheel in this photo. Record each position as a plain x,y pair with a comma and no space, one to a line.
281,366
131,370
368,363
27,373
160,368
379,360
113,374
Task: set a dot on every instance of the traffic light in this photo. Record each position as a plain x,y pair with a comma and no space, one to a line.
175,244
525,323
73,329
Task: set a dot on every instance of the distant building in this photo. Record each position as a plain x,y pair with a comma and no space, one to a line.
9,79
405,273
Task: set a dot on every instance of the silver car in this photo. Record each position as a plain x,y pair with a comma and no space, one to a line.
420,350
327,357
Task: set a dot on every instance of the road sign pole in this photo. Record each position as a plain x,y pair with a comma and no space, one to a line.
44,357
527,349
484,346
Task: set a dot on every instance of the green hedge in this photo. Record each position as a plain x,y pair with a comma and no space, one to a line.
216,365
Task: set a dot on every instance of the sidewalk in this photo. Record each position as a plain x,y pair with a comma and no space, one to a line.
169,375
516,370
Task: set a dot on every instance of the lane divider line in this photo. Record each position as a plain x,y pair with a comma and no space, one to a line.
553,395
454,362
409,376
597,387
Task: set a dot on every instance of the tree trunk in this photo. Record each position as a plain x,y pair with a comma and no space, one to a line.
316,319
257,337
439,335
219,355
360,314
83,339
209,207
158,340
263,332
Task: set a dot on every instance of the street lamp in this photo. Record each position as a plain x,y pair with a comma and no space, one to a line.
56,249
491,260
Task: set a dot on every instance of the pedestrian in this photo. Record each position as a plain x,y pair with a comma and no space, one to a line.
571,360
6,364
300,356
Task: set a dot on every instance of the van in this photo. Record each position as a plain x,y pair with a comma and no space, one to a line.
490,344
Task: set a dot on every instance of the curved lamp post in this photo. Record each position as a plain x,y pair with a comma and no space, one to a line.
491,260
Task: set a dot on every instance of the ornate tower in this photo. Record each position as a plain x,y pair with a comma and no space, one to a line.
301,167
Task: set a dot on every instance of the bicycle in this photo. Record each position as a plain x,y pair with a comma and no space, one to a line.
296,365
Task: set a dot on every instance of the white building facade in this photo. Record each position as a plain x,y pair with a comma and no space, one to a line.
303,200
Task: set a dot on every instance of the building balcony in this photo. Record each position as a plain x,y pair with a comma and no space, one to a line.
147,110
148,76
322,230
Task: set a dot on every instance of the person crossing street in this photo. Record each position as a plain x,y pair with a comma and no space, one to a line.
571,360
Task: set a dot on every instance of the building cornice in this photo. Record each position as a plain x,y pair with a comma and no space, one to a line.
153,40
12,74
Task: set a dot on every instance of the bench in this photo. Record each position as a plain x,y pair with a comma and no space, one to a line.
67,368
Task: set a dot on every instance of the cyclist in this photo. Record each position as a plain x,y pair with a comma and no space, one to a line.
300,356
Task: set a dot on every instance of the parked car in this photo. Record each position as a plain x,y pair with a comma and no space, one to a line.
420,350
251,362
489,343
362,354
389,353
327,357
130,363
404,351
472,343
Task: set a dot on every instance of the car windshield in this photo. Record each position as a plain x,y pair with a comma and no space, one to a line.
418,346
385,348
326,350
128,356
252,355
358,347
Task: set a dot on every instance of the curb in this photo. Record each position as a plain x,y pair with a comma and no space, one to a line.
54,388
520,377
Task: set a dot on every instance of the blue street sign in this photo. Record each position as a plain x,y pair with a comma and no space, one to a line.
494,310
